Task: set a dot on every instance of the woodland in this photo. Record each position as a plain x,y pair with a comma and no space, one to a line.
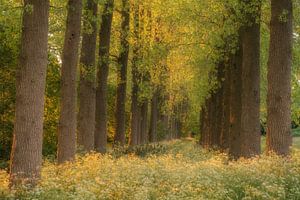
149,99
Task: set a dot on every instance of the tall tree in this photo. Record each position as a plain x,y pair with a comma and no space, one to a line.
279,137
226,110
135,109
87,95
153,118
67,120
122,75
206,124
26,156
144,122
219,104
101,93
250,123
235,101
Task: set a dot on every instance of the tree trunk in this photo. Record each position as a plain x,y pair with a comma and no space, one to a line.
226,110
67,120
87,95
135,83
134,107
144,122
101,94
250,123
153,118
122,75
279,137
218,105
235,103
206,133
201,124
26,157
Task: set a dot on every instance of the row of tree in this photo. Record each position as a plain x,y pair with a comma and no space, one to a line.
145,68
90,123
230,118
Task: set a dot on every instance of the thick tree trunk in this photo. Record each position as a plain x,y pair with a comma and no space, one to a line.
26,157
144,122
122,75
153,118
250,123
101,94
67,120
235,103
226,110
87,95
279,137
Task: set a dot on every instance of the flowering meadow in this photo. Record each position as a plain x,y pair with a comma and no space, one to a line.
172,170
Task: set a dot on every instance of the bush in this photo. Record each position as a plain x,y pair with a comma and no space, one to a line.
141,150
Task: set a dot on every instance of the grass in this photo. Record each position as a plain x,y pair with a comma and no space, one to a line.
173,170
296,132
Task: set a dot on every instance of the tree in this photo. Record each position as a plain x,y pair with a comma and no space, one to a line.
154,118
122,75
235,101
87,95
101,93
135,109
279,137
250,123
26,157
67,119
144,123
226,109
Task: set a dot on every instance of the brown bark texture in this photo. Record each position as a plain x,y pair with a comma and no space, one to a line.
153,118
122,75
87,94
250,123
26,156
235,103
103,70
67,119
226,110
135,109
144,122
279,139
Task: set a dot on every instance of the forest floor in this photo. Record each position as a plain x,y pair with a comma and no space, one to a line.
171,170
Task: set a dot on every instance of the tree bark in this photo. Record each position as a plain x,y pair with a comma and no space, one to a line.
122,75
226,110
235,103
153,118
67,120
135,110
279,137
26,157
206,131
144,122
134,107
101,93
87,95
218,106
250,123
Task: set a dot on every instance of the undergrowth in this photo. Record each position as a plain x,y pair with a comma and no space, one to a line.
171,170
